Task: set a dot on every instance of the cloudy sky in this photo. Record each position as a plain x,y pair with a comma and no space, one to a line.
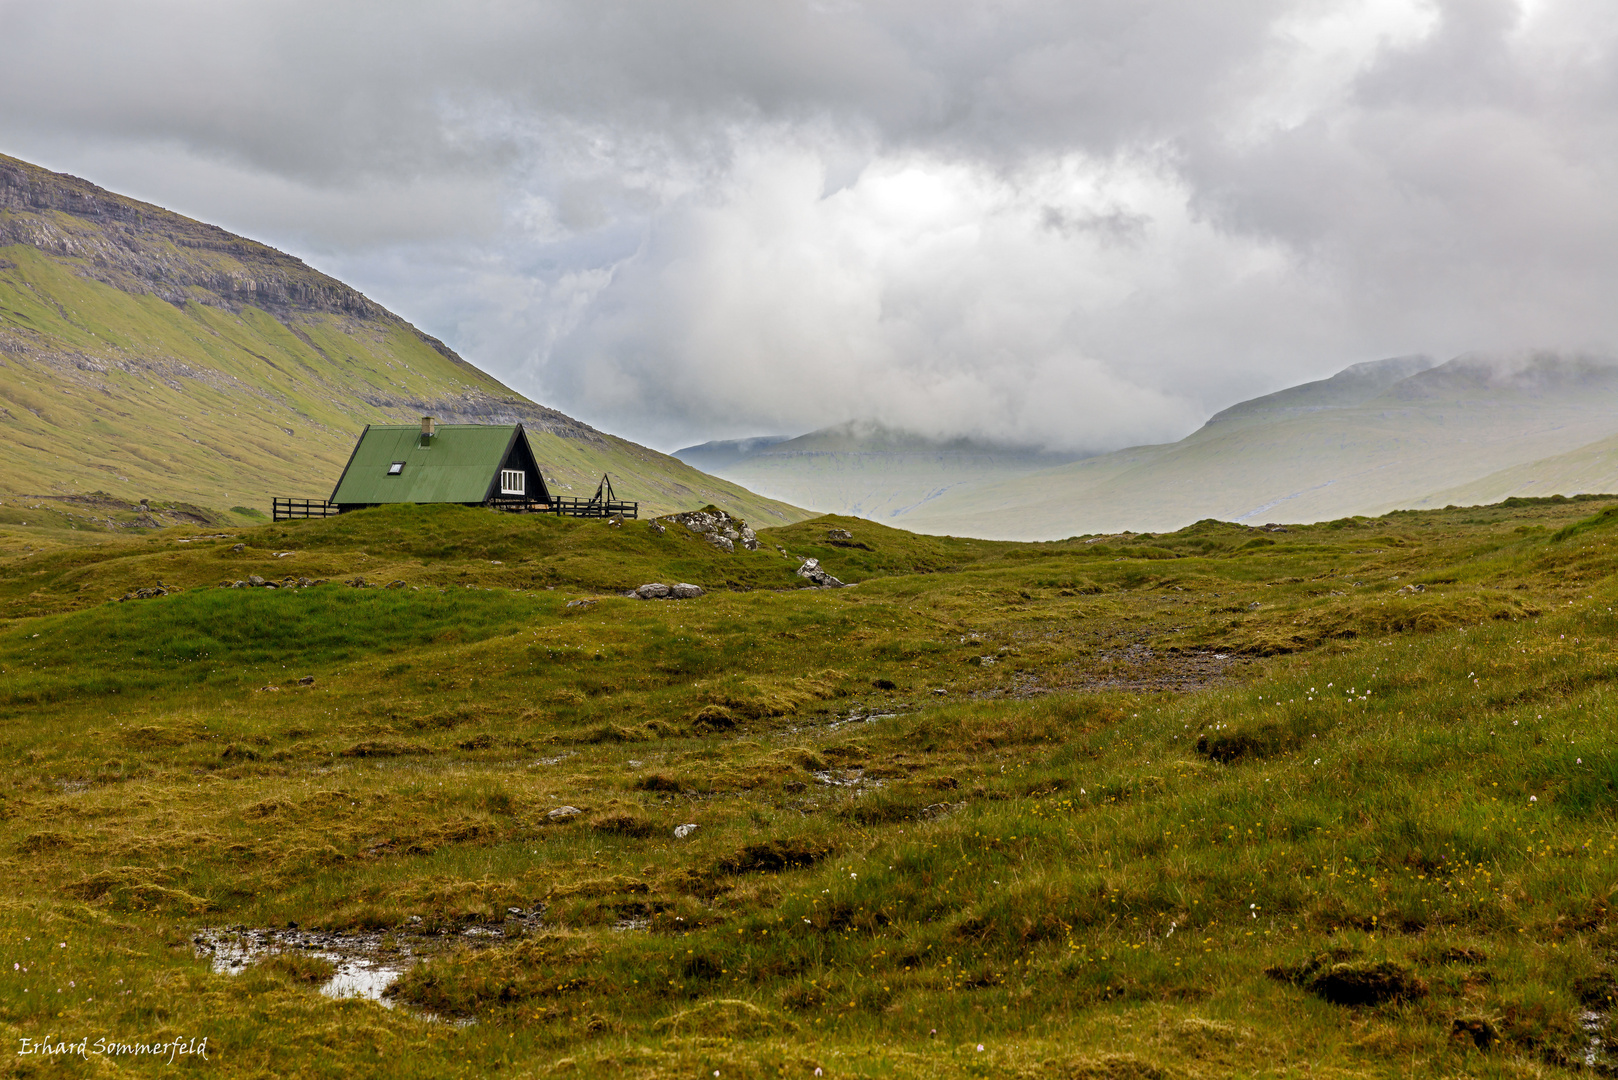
1081,224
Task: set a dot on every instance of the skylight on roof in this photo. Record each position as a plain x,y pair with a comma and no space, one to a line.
396,468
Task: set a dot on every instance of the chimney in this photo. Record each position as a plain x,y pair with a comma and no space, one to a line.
428,427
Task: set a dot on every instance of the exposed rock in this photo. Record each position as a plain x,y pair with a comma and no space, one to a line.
307,680
839,534
1411,590
811,570
657,527
399,584
581,603
144,594
256,582
563,813
722,543
683,831
686,591
717,525
238,547
653,591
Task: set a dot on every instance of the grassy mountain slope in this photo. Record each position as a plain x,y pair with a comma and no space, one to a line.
1593,467
144,354
1321,457
1207,804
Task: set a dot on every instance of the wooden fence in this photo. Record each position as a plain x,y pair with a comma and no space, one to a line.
288,509
589,508
291,509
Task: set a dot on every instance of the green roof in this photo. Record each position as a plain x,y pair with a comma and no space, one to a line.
456,465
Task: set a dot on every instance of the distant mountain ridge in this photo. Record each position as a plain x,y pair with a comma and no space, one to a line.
151,355
869,470
1407,431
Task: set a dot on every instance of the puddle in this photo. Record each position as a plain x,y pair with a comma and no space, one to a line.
1594,1025
859,718
367,962
849,778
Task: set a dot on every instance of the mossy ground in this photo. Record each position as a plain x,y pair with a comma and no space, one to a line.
1169,785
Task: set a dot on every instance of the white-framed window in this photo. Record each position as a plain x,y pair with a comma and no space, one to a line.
512,482
396,468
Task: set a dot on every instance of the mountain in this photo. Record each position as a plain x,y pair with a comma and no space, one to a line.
711,456
1393,434
867,470
147,355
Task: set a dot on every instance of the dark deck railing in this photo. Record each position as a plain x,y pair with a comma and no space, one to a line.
589,508
288,509
293,509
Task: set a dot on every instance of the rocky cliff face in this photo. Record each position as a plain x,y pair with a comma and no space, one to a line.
141,248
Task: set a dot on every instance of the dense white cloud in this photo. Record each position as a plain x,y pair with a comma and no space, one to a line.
1080,225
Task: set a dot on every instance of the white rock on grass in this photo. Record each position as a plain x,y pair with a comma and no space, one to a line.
654,591
686,591
564,813
683,831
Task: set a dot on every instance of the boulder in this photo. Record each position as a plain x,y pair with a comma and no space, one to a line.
255,581
723,543
811,570
749,539
653,591
839,534
686,591
563,813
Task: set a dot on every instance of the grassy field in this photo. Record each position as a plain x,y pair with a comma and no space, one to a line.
1334,801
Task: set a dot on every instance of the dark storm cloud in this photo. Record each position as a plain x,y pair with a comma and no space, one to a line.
1082,223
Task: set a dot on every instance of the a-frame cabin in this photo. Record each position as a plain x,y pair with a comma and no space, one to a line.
470,464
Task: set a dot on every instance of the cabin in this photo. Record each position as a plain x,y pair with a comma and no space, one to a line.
471,464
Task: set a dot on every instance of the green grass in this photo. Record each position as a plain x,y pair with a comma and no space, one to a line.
1100,851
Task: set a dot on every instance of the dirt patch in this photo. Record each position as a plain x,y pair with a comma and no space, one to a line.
773,856
1351,982
1140,667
